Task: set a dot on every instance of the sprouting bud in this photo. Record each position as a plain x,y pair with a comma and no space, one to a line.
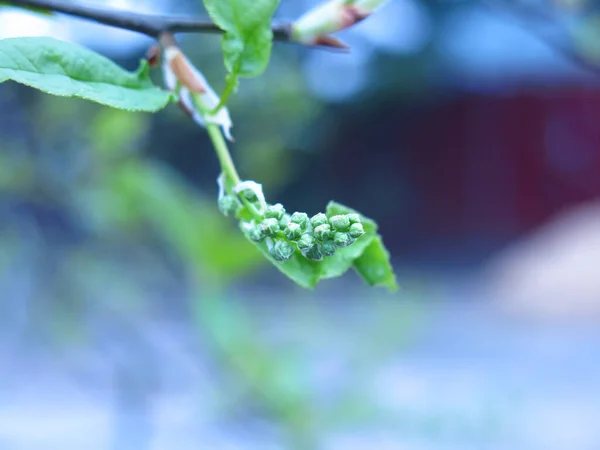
275,211
356,230
354,218
340,222
252,191
314,253
249,195
301,219
305,242
256,234
283,222
282,250
342,239
195,95
318,219
328,248
315,26
228,204
270,226
322,232
292,231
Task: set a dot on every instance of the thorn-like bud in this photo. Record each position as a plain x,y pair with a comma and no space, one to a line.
356,230
318,219
315,27
332,42
305,242
281,251
270,226
342,239
328,248
275,211
228,204
322,232
314,253
256,234
301,219
153,56
340,222
292,231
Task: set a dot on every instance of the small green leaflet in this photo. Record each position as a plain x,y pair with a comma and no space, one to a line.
368,256
248,37
69,70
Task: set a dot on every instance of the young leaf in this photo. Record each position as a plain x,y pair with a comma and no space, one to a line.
373,262
339,263
374,265
248,37
66,69
299,269
367,255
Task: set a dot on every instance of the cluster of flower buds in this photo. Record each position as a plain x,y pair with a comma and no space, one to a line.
229,205
314,237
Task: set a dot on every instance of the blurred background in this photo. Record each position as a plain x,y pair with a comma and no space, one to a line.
134,316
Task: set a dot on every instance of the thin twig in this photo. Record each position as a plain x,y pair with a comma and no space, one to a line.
149,24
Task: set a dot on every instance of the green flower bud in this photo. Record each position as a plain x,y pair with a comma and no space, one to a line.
342,239
285,219
270,226
228,204
356,230
313,253
292,231
354,218
275,211
305,242
322,232
256,234
328,248
340,222
301,219
318,219
282,250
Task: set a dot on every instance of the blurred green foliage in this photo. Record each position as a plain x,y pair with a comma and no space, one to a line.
109,220
111,233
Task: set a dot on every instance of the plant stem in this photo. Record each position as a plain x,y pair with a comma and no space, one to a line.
227,165
229,88
149,24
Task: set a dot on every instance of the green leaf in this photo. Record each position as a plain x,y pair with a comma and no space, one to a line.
248,37
373,261
299,269
367,256
69,70
374,265
338,264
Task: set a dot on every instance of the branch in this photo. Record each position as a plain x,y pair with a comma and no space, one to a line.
149,24
524,15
